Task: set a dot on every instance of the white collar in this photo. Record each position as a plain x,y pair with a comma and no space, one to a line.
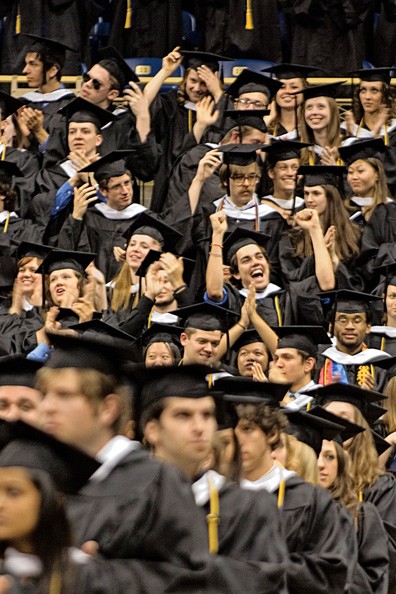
164,318
201,488
128,213
4,215
269,482
246,212
26,306
301,402
22,565
270,289
292,135
286,204
134,288
67,168
37,97
368,201
385,330
190,105
367,356
111,454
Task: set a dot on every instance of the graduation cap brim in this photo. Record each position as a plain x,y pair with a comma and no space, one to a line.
246,117
158,331
319,175
239,154
110,53
169,236
358,397
226,415
282,150
102,329
28,447
243,390
286,71
195,59
373,74
362,149
254,82
9,169
16,370
62,259
9,105
381,445
349,301
246,338
206,316
50,45
27,249
111,165
154,256
349,429
304,338
311,429
79,110
374,412
241,237
327,90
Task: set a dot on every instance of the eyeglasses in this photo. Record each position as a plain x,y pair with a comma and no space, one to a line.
239,180
354,320
258,104
95,82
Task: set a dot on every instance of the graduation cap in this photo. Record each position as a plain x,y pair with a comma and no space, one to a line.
362,149
381,445
194,60
358,397
246,117
16,370
10,169
382,74
311,429
253,82
327,90
115,64
154,256
374,412
303,338
320,175
102,330
247,337
45,46
205,316
238,154
147,224
111,165
80,111
346,301
244,390
86,352
239,238
349,429
283,150
226,415
28,447
27,249
182,381
9,105
286,71
161,333
61,259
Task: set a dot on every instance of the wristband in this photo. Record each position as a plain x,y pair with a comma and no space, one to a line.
243,327
217,245
215,255
178,289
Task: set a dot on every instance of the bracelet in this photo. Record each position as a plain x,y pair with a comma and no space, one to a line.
215,255
243,327
178,289
217,245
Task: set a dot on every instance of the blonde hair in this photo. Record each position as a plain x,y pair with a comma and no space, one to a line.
301,458
389,403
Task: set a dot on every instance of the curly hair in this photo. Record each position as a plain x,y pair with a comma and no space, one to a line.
388,99
270,420
9,195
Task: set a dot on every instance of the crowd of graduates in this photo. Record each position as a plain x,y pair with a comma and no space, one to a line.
197,396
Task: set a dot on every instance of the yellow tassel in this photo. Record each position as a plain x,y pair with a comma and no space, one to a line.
249,16
213,519
281,493
55,584
128,17
18,21
360,496
6,223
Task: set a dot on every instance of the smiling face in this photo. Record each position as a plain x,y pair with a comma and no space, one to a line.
62,282
283,97
196,89
317,113
200,346
328,464
166,296
284,175
315,197
370,95
138,248
250,354
252,266
158,354
362,178
30,281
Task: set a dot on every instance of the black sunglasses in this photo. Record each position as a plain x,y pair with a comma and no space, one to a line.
95,82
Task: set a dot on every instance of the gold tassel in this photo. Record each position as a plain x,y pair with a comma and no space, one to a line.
213,519
249,15
18,21
128,17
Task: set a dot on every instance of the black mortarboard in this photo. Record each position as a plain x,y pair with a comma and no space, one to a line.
239,238
253,82
362,149
374,74
320,175
115,64
310,429
147,224
28,447
244,390
82,353
206,316
247,337
194,60
328,90
350,393
283,150
226,415
8,169
51,47
80,111
349,429
111,165
100,329
154,256
27,249
61,259
9,105
347,301
16,370
287,71
381,445
303,338
161,333
239,154
246,117
182,381
386,363
374,412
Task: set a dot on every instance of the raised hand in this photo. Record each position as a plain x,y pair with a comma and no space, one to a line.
219,224
208,164
172,61
212,81
83,196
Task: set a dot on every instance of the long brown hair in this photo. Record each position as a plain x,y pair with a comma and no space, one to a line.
381,190
342,490
388,99
347,233
278,109
389,403
333,133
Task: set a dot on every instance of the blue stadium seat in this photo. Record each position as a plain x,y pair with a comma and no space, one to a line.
190,34
148,67
233,69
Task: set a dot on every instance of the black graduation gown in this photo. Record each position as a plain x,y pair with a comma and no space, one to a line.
382,342
24,186
50,109
318,550
385,34
352,371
